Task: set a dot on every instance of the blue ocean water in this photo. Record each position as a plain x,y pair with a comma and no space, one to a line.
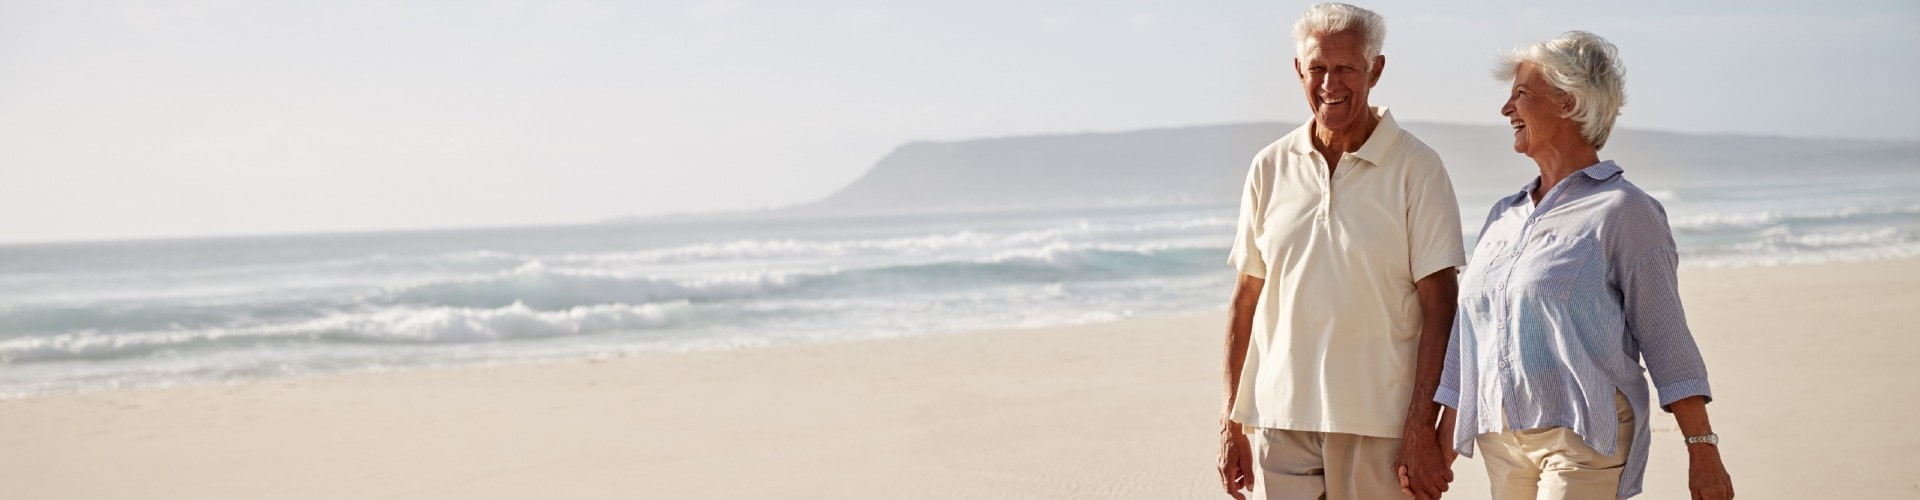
105,315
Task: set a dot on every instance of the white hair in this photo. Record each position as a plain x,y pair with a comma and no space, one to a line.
1585,66
1329,18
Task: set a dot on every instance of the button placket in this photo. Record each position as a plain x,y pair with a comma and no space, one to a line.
1326,190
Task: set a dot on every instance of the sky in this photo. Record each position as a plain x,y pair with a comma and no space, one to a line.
145,119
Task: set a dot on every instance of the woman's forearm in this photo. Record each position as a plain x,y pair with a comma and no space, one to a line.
1691,413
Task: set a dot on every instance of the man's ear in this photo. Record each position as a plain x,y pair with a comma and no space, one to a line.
1379,67
1296,69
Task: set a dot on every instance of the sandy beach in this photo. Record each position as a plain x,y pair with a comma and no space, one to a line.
1814,368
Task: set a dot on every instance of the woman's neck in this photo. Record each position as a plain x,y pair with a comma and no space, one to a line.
1556,164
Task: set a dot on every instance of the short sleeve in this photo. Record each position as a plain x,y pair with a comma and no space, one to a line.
1246,255
1433,218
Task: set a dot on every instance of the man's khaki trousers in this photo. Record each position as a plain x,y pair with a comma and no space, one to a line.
1303,465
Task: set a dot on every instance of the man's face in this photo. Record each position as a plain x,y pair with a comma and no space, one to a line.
1334,70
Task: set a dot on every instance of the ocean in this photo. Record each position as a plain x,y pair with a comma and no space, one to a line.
121,314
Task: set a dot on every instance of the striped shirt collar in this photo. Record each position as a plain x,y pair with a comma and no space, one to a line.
1602,171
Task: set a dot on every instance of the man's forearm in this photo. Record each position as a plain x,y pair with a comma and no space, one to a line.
1437,293
1246,296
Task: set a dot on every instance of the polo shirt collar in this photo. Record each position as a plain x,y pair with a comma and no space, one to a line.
1384,135
1374,151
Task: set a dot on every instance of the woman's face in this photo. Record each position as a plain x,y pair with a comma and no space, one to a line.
1536,109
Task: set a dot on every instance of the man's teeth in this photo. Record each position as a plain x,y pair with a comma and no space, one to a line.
1334,101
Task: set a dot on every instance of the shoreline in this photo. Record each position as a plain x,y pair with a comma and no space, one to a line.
1121,409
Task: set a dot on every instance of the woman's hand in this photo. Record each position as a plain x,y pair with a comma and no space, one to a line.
1706,475
1236,460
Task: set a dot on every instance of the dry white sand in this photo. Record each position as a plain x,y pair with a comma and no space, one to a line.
1816,371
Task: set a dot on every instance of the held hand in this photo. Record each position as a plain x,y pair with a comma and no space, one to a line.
1406,485
1424,467
1706,475
1236,461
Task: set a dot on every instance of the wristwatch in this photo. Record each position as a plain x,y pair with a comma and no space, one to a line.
1709,438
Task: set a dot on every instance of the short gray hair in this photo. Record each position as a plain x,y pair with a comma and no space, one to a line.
1585,66
1328,18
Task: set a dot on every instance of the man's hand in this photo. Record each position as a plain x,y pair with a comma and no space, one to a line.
1424,466
1236,460
1706,476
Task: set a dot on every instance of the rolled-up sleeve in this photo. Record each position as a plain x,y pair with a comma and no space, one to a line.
1448,392
1648,277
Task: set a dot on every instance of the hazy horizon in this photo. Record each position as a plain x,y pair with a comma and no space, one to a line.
137,120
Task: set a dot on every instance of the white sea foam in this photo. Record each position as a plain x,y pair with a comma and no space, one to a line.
938,244
1777,238
392,325
1802,257
1760,220
1063,255
1781,245
1186,224
544,287
755,249
241,283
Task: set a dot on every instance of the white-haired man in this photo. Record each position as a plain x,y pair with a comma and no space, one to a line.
1347,243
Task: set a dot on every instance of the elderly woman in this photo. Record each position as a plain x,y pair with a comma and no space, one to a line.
1572,284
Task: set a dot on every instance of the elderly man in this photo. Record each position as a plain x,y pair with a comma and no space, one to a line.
1347,243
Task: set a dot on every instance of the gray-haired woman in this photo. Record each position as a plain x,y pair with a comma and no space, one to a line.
1572,283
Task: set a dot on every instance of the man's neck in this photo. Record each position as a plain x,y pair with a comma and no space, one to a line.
1333,143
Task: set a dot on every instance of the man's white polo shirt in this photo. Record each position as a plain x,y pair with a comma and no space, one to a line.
1337,325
